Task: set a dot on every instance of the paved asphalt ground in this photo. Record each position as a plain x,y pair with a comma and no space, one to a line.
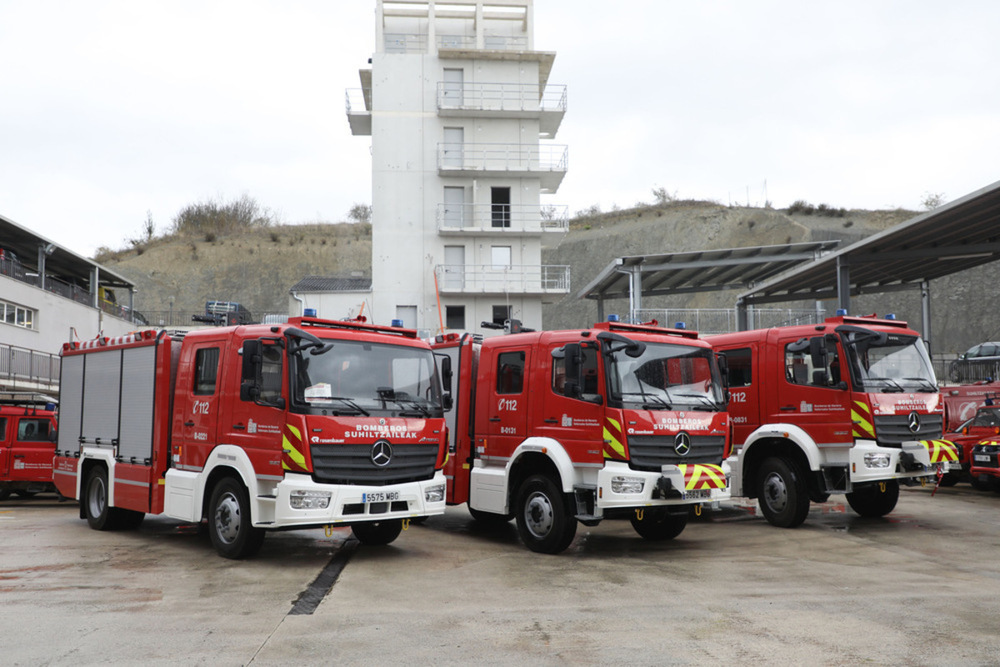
920,587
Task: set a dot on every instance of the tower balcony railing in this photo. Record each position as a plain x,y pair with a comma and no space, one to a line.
501,218
511,97
549,162
490,279
417,42
357,102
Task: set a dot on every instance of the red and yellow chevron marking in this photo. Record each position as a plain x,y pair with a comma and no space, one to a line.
703,476
614,448
861,415
941,451
292,447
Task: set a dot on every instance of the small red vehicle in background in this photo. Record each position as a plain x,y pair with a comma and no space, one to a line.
983,426
27,443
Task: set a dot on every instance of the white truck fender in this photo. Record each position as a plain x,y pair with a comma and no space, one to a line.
789,432
229,456
555,452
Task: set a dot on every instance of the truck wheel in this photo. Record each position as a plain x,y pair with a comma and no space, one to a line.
4,494
978,482
543,520
657,524
229,523
377,533
872,501
95,500
781,492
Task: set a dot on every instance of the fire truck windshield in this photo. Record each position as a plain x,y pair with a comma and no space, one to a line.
665,377
889,363
359,378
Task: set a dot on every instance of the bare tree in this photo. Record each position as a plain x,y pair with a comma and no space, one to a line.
360,213
932,200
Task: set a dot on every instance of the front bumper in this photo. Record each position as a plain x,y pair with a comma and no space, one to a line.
912,460
672,486
355,504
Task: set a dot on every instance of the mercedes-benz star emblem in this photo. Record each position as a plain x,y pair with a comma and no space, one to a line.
682,443
381,453
913,422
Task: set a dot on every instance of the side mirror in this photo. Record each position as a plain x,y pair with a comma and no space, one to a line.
446,372
723,363
817,350
251,371
573,356
447,402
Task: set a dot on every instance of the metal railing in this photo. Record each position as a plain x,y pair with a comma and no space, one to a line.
356,100
19,366
485,278
501,97
417,42
723,320
502,218
503,157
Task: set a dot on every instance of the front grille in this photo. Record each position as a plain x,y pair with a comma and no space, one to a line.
893,430
352,464
651,452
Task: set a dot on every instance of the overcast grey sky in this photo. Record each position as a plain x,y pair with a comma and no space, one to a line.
111,108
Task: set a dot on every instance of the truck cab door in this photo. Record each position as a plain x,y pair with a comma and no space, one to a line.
506,406
197,402
257,424
573,417
810,389
5,445
32,450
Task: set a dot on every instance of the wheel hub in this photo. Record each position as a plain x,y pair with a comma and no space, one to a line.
227,518
538,515
775,492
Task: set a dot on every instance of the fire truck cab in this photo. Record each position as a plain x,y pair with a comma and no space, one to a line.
848,406
559,427
27,443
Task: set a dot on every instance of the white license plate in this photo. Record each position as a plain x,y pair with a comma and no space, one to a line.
981,458
380,497
698,494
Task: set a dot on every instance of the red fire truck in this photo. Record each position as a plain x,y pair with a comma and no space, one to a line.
559,427
309,423
27,443
849,406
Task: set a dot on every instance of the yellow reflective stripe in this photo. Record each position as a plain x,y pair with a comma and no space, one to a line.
861,415
610,439
293,453
703,476
940,450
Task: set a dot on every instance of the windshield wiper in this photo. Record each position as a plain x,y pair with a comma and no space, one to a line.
649,401
894,387
402,400
357,408
926,385
704,399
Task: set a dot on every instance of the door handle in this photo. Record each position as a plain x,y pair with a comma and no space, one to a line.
787,408
239,427
189,424
494,419
551,421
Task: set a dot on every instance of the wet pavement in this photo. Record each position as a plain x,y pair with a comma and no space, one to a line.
918,587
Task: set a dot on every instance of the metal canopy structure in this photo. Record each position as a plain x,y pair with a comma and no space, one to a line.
957,236
636,276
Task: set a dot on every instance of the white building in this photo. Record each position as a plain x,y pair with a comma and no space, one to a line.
48,295
456,101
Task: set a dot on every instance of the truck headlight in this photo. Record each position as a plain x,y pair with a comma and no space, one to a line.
302,499
620,484
434,494
875,460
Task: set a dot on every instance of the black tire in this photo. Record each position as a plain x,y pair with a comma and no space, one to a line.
981,482
489,519
377,533
781,492
95,500
230,525
875,500
4,494
543,518
657,524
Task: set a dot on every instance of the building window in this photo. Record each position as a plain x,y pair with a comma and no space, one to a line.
500,255
500,206
19,316
501,314
454,317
